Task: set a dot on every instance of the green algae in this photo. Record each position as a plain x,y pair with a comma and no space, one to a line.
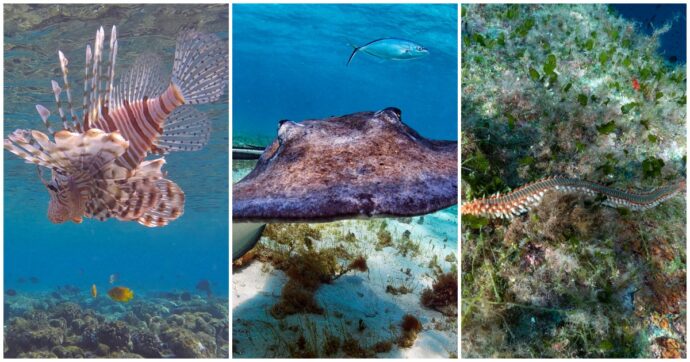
572,278
607,128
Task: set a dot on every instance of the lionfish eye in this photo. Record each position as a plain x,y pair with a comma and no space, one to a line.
51,187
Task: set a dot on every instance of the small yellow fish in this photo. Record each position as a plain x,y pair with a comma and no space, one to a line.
94,291
121,294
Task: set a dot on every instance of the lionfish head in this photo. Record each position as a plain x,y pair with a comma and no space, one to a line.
64,202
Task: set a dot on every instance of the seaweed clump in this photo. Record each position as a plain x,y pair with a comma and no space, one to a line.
353,349
443,295
410,326
307,272
306,267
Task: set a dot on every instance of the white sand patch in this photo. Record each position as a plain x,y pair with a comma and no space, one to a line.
356,304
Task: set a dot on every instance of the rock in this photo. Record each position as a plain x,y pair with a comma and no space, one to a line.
122,354
37,354
114,334
58,323
202,326
102,349
155,324
176,320
89,337
69,311
68,352
77,326
19,339
146,344
185,344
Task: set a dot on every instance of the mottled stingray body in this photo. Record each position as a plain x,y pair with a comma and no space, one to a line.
362,165
367,164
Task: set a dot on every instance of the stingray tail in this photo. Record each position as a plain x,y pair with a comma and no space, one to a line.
354,51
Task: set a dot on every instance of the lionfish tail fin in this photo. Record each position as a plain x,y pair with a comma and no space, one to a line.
200,70
186,129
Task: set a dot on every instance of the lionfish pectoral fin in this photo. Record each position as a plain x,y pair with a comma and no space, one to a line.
186,129
93,152
145,196
36,148
200,70
169,205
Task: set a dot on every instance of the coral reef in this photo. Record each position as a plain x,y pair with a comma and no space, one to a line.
577,91
41,326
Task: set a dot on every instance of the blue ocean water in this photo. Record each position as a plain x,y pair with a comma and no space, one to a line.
289,62
172,258
655,16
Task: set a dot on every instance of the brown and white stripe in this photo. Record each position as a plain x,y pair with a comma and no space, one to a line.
141,123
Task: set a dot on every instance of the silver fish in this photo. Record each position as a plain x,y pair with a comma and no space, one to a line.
391,49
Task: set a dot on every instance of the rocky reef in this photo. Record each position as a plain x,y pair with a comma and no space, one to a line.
163,325
572,90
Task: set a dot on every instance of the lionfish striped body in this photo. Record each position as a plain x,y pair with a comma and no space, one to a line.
527,197
98,161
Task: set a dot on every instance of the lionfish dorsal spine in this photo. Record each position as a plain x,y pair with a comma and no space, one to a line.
87,77
44,113
57,91
107,101
68,89
94,106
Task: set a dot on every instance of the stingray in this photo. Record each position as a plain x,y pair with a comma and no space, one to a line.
361,165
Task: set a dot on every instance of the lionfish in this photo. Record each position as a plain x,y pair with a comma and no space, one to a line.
98,160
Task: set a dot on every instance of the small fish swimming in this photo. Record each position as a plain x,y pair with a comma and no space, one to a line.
113,278
98,159
94,291
121,294
391,49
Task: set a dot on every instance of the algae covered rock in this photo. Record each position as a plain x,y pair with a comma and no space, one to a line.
185,344
68,352
114,334
146,344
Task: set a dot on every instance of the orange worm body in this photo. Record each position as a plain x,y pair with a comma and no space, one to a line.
527,197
